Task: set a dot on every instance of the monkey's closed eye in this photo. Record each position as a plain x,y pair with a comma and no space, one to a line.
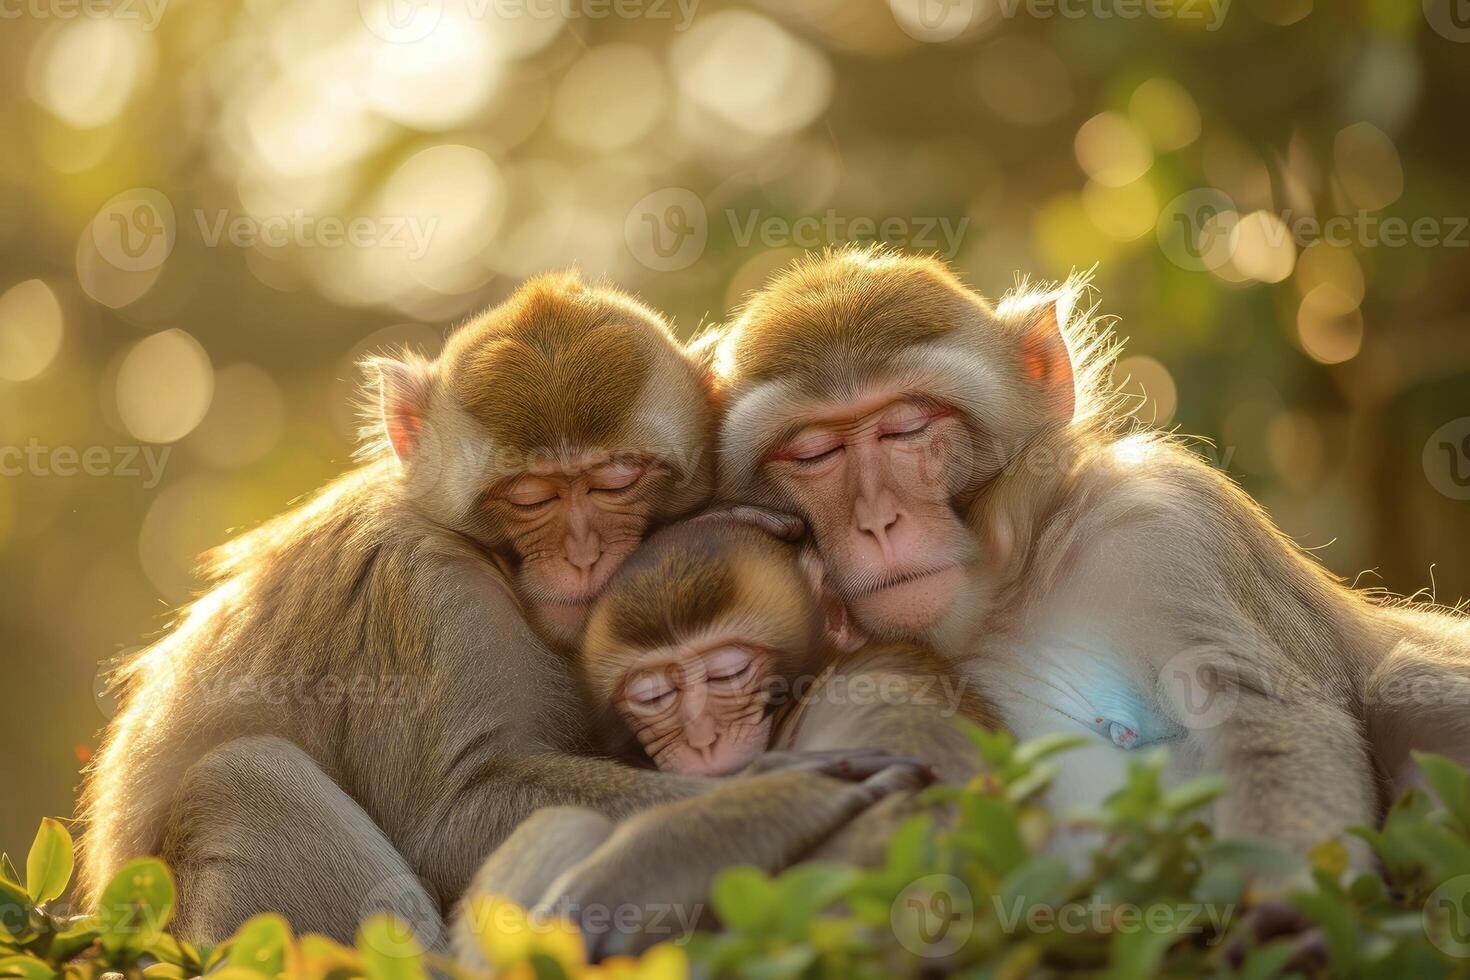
731,678
616,477
728,665
817,457
649,691
908,429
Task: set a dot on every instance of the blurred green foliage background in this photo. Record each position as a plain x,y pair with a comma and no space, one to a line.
210,210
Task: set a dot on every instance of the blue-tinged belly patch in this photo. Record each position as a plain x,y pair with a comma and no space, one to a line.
1091,687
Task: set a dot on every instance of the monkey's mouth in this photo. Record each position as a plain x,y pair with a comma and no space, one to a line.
568,602
902,579
908,604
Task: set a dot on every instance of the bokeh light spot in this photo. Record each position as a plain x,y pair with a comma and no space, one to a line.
1111,150
31,328
86,71
164,387
752,72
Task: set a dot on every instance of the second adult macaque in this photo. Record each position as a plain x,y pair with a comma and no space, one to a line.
970,481
710,646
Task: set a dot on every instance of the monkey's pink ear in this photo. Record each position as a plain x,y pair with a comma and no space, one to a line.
403,401
1045,361
704,351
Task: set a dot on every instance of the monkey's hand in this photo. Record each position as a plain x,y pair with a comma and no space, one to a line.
852,765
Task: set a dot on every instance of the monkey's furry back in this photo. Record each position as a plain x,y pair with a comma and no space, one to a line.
345,585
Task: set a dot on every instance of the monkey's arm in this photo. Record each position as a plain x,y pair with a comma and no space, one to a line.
665,859
895,697
487,800
1293,754
900,698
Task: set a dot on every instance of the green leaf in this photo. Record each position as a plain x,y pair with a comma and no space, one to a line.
1338,927
1041,880
1451,784
15,909
543,966
997,748
744,898
1195,793
809,888
1367,889
1033,751
1021,789
1138,953
170,950
1446,854
262,945
786,964
73,940
26,966
997,838
390,950
909,847
48,867
1251,855
8,871
136,906
1268,959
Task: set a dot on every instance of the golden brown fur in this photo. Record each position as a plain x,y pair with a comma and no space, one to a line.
1106,557
366,653
718,575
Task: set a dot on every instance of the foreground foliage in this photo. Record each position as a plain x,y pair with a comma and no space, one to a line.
969,893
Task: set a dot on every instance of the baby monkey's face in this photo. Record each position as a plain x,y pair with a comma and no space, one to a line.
700,709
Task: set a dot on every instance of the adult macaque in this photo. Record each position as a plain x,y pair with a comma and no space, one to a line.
970,482
710,646
359,710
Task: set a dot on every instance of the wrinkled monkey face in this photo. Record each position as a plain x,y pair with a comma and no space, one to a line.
874,478
701,712
571,524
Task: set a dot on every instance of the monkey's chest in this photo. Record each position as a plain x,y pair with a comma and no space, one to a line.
1070,684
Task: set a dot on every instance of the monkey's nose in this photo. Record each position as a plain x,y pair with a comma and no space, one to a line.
699,733
876,518
583,550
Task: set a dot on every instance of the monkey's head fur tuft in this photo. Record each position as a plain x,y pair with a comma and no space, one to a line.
853,320
558,370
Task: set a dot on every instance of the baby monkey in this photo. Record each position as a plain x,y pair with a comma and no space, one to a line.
717,641
693,650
